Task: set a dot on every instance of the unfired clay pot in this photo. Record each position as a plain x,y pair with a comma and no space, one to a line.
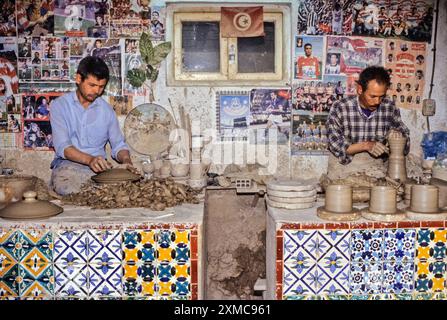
383,200
179,169
424,198
13,187
396,163
338,198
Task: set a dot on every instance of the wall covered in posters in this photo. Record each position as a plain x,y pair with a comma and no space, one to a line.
40,51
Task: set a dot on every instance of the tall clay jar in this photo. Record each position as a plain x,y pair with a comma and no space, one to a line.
424,198
338,198
396,162
383,200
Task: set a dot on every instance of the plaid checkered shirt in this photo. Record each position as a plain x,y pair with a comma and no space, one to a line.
347,124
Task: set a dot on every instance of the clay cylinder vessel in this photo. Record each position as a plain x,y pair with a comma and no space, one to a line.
396,162
407,191
424,198
383,200
338,198
195,170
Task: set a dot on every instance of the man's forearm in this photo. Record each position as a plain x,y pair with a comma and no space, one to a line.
73,154
360,147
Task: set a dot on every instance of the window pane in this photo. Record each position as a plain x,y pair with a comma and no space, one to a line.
201,46
257,54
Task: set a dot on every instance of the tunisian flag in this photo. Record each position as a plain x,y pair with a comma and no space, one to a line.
241,22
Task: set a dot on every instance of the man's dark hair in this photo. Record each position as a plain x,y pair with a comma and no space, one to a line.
93,66
308,45
374,73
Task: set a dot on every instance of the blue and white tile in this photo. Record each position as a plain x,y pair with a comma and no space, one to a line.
300,259
294,284
374,278
398,277
338,239
70,285
105,281
399,245
338,281
357,279
316,279
295,239
366,245
70,245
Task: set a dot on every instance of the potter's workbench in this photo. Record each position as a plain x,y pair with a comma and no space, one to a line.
311,258
82,253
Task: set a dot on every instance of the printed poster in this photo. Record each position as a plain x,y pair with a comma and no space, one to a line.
233,116
406,62
308,57
35,17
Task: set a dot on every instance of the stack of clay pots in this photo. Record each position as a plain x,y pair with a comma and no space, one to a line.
291,194
424,203
396,163
338,204
383,205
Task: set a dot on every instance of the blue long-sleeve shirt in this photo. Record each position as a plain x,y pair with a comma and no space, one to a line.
88,130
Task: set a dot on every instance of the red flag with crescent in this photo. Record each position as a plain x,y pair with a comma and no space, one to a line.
241,22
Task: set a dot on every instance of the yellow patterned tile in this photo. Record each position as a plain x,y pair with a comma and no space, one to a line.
130,271
181,236
148,236
438,284
440,235
6,262
5,234
5,291
181,271
36,291
164,254
35,262
423,268
423,252
148,288
131,255
34,234
165,288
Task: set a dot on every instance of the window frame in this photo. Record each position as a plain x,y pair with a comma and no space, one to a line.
228,75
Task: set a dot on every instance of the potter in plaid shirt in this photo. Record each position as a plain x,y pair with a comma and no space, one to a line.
349,124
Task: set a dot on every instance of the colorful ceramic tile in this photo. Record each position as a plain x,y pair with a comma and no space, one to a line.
431,243
70,247
9,282
338,282
398,278
430,276
399,245
374,278
338,239
71,282
17,245
294,283
295,239
7,261
105,280
358,279
366,245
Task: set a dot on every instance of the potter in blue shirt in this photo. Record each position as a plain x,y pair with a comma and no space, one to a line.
82,123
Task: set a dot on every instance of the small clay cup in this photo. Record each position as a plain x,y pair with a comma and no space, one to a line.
424,198
338,198
383,200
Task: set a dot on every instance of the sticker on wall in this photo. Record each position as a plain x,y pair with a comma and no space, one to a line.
128,19
318,96
9,82
233,113
309,134
270,115
35,18
72,19
101,27
158,17
121,104
406,61
132,59
43,59
8,19
408,20
108,50
36,126
350,55
308,57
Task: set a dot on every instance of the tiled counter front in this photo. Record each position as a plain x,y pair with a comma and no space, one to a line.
314,259
103,254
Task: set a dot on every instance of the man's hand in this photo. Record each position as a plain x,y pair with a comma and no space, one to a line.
130,167
394,134
378,149
99,164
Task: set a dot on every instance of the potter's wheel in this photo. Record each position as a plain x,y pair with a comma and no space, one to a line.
147,128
